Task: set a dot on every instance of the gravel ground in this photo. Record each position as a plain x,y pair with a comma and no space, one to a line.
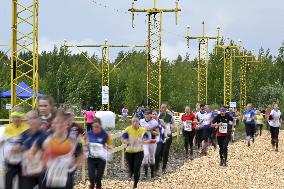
248,167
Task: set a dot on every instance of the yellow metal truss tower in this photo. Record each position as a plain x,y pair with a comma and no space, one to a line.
154,43
228,70
245,60
202,65
24,39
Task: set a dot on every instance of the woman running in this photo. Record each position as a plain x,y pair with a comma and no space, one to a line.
259,121
199,129
97,141
13,151
60,155
169,121
134,136
31,169
267,114
151,125
160,142
46,108
275,122
223,123
188,120
207,130
249,120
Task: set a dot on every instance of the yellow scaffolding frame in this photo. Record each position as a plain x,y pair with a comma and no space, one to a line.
228,70
24,39
243,77
154,53
203,58
105,66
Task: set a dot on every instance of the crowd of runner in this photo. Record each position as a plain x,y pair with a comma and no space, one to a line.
45,148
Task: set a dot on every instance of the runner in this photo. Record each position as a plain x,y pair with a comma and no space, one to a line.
188,120
207,130
139,113
170,124
77,133
151,125
13,151
74,129
223,123
275,122
46,107
98,141
134,136
124,113
199,129
31,170
249,120
61,154
267,114
160,142
234,115
259,121
89,116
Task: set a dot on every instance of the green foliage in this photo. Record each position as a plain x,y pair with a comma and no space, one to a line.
73,81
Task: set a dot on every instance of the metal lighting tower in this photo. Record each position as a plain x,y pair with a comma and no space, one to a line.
228,70
105,66
24,39
202,65
245,60
154,50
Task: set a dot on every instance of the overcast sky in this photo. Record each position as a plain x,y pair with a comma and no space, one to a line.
256,22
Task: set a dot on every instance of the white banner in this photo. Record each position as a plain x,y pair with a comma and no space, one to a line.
105,94
233,104
8,106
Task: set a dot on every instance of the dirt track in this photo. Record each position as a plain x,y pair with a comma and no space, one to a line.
248,167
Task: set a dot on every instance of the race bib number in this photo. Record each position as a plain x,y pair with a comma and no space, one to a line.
223,128
168,129
11,156
206,121
57,174
248,118
95,149
32,167
187,125
136,145
99,151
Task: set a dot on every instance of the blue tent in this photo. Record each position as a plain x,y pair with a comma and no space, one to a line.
20,92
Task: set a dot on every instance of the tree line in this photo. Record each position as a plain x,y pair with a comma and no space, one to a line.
73,81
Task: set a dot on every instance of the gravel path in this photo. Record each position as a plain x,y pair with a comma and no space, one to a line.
248,167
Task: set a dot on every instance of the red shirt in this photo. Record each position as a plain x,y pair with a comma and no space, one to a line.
190,117
267,114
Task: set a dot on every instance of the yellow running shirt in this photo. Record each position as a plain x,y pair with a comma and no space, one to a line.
135,136
12,131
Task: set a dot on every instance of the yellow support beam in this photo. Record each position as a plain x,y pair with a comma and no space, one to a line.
203,58
24,39
154,53
105,77
105,65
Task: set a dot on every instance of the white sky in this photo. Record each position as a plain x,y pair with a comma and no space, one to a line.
257,22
